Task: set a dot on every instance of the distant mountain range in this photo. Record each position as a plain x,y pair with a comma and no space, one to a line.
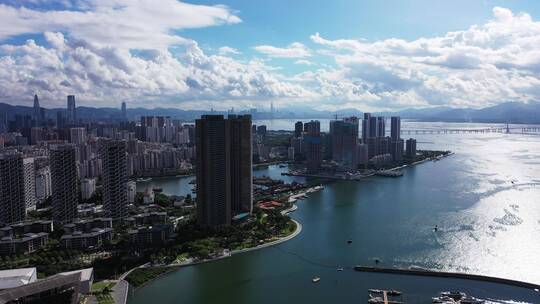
511,112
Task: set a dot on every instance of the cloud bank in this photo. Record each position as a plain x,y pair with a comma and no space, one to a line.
108,51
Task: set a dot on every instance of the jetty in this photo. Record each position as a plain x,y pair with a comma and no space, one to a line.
442,274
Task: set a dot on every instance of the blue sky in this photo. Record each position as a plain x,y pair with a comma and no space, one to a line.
369,55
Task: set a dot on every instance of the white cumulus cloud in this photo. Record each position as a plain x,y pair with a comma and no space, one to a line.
294,50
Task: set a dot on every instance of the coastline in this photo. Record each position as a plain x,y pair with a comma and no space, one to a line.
193,263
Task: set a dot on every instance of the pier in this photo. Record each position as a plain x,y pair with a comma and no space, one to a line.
442,274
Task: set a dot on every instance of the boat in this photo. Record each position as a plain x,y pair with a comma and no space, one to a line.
376,300
340,269
455,295
316,280
442,300
436,228
283,166
375,290
393,293
470,300
349,241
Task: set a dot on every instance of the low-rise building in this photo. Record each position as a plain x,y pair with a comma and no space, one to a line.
17,277
86,225
152,235
27,227
87,278
93,239
147,218
27,243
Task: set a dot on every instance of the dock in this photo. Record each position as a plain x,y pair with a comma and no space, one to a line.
387,294
442,274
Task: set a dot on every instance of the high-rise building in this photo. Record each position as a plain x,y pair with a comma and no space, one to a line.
36,135
344,137
313,144
13,187
212,169
131,191
29,183
88,188
37,111
124,111
396,149
395,128
64,180
77,136
381,127
60,120
366,128
224,174
113,155
410,148
261,131
298,128
71,110
43,184
241,163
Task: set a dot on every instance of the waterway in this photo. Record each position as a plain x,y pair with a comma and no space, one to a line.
485,200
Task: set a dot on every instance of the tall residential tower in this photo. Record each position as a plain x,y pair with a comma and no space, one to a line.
64,180
113,154
224,175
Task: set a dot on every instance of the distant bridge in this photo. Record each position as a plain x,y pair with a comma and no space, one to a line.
520,130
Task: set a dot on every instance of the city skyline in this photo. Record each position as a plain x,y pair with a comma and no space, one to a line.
210,60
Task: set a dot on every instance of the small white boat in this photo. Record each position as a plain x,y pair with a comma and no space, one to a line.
340,269
315,279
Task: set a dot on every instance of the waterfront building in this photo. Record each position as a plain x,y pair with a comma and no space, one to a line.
71,110
290,153
152,235
395,128
363,156
64,178
241,163
381,126
396,149
53,289
344,138
13,187
410,148
313,144
221,189
114,163
298,128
